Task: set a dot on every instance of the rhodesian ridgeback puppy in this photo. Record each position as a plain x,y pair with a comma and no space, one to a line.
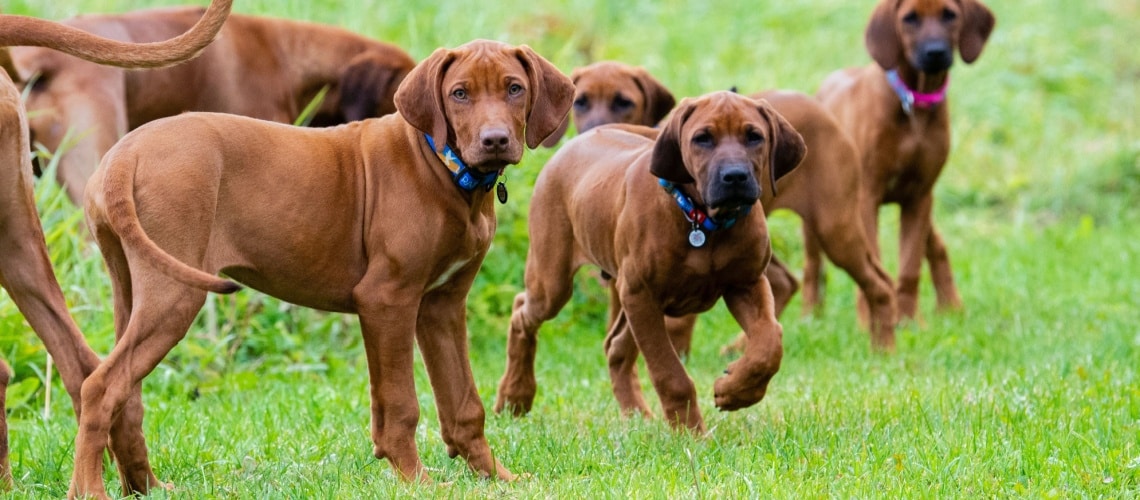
896,113
25,269
824,190
260,67
388,218
672,251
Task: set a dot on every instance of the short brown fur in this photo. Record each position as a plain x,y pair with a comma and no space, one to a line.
260,67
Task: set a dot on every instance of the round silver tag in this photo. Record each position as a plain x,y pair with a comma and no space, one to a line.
697,238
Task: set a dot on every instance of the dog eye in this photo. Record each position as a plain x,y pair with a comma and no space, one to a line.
582,103
459,94
948,15
515,89
911,18
753,139
704,140
621,103
38,82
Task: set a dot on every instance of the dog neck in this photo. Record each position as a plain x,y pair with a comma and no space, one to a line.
465,177
699,218
913,96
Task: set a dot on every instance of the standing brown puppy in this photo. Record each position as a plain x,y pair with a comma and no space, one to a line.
895,110
669,220
387,218
25,269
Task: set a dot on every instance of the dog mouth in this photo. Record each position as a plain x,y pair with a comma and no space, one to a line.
934,65
490,166
731,205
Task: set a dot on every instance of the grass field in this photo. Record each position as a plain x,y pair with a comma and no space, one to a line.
1032,391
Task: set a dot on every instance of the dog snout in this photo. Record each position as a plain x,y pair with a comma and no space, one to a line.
734,175
495,140
734,184
935,56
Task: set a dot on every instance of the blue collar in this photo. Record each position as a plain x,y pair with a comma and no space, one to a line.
695,215
465,177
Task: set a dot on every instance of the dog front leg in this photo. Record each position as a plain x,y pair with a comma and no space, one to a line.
621,356
674,387
746,380
914,230
442,336
548,287
388,325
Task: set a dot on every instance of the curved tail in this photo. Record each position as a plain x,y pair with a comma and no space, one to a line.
23,30
118,191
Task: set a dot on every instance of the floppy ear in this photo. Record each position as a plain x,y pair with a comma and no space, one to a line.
787,149
557,135
7,65
420,97
551,94
882,36
561,131
977,24
367,85
658,100
667,161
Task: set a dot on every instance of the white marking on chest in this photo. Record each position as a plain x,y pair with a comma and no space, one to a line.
446,276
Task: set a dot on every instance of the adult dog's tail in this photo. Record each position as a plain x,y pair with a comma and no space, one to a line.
122,214
22,30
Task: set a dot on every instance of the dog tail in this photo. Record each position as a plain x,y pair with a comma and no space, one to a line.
122,214
23,30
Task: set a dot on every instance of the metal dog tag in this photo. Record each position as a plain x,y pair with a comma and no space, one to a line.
697,238
501,193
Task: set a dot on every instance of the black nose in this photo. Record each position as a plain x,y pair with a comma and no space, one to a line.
494,140
734,175
935,55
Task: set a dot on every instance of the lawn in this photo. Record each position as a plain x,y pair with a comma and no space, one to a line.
1032,391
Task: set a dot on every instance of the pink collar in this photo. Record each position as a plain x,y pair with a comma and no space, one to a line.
911,99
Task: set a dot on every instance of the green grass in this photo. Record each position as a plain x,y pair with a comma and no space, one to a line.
1032,391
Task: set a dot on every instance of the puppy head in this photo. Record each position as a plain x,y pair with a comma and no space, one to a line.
368,84
612,92
725,143
486,98
924,33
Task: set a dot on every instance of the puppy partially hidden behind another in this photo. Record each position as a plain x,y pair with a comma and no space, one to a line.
674,222
388,218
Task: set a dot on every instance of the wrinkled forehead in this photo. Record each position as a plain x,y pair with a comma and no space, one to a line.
601,74
486,64
726,112
925,7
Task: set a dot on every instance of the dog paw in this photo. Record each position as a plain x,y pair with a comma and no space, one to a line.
517,406
741,387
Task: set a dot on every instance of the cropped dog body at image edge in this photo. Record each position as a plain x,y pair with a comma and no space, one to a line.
25,267
199,211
